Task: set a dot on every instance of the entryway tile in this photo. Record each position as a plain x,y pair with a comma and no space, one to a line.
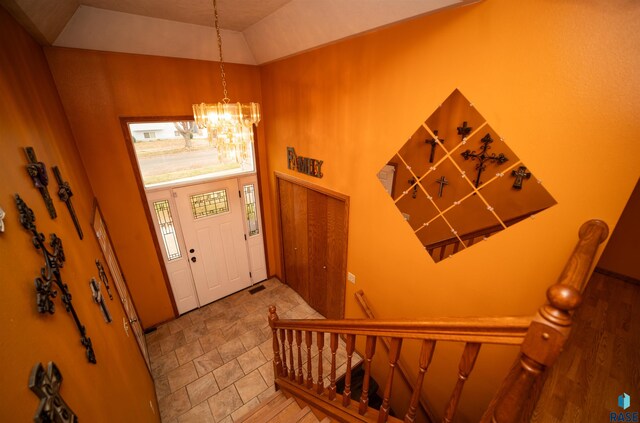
251,360
182,376
227,374
188,352
201,389
201,413
230,350
224,403
250,386
208,362
174,405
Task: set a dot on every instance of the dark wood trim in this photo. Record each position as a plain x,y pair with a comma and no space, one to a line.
124,121
312,186
616,275
256,152
98,210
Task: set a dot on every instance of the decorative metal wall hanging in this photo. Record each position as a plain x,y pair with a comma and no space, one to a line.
311,167
46,385
412,181
521,174
65,194
2,215
434,144
103,277
50,274
38,172
99,299
442,181
483,157
464,130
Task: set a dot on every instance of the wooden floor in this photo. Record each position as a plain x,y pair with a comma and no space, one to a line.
601,358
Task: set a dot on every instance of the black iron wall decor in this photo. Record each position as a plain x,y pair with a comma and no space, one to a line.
64,192
38,172
99,299
46,385
456,198
103,277
311,167
50,274
483,157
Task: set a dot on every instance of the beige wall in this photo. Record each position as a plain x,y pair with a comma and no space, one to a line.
555,79
118,388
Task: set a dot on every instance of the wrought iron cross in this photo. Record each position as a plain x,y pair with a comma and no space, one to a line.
99,299
38,172
103,278
434,144
464,130
415,187
46,385
442,181
50,277
64,192
484,157
521,174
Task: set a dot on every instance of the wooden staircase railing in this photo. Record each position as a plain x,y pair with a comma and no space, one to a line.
541,341
402,366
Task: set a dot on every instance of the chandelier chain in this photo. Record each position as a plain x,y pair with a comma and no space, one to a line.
222,74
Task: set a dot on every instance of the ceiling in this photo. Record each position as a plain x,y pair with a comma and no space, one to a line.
254,31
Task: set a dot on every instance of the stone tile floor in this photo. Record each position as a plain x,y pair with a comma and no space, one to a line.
214,363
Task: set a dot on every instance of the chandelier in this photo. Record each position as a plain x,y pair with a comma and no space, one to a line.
232,123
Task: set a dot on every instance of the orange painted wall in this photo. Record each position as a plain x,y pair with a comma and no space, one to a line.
557,80
97,89
31,115
623,249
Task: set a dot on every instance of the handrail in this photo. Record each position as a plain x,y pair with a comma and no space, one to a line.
491,330
549,330
404,372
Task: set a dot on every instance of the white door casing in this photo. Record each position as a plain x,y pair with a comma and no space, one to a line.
174,253
212,224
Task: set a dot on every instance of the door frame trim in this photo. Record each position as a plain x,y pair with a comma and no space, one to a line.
322,190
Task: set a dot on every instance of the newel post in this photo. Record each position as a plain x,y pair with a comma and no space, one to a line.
550,327
277,363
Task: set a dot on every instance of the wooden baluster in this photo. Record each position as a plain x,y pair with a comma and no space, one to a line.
426,354
346,395
394,355
320,387
283,337
277,363
308,338
332,375
299,342
292,371
370,350
467,361
456,247
550,328
444,247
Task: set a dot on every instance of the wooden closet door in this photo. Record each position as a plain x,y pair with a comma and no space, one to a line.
293,215
317,234
336,219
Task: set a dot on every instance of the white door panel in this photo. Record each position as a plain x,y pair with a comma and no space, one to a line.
253,228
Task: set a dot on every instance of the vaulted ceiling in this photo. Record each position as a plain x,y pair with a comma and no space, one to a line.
254,31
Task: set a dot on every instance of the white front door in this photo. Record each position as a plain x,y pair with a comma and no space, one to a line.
211,216
174,253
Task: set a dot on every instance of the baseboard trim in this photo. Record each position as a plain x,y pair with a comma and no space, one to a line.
619,276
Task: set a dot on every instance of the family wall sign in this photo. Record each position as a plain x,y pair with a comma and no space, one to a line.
311,167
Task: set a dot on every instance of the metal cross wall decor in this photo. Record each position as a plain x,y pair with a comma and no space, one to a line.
442,181
434,144
521,174
103,278
415,187
99,299
46,385
50,274
38,172
464,130
483,156
64,192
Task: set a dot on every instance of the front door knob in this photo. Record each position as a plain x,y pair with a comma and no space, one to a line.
192,251
193,259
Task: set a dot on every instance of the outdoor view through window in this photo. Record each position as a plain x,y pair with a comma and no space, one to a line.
177,152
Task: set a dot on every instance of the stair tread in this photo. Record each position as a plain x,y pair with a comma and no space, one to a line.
308,417
301,415
283,413
255,415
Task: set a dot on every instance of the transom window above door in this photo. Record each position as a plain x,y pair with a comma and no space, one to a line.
180,152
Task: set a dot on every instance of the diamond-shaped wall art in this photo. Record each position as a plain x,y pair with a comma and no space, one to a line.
457,182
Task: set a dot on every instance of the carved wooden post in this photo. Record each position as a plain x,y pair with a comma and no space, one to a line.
320,387
299,343
370,350
332,375
394,355
307,340
467,361
283,337
277,363
551,326
346,395
292,373
426,354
